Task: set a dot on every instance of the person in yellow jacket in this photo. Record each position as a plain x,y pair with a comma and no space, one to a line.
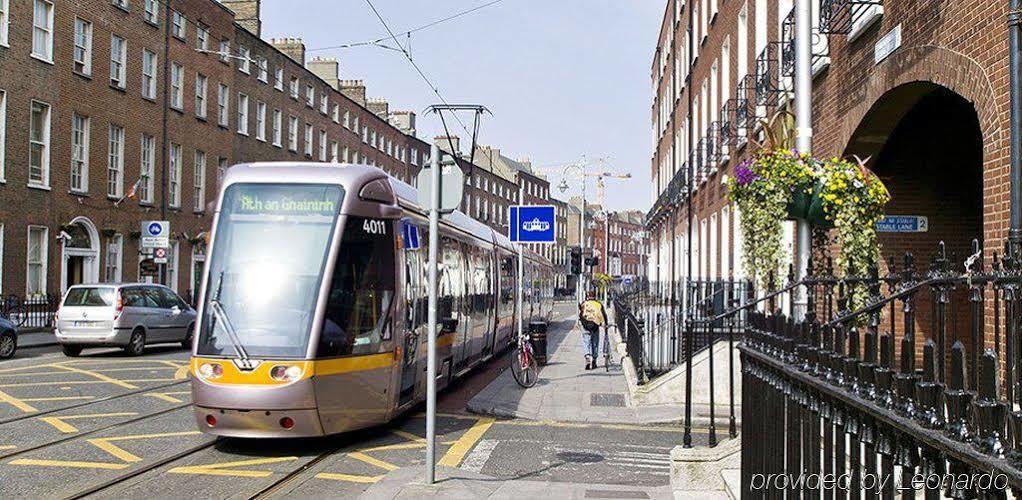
592,315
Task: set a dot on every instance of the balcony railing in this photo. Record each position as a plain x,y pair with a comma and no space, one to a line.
787,44
837,17
767,76
712,147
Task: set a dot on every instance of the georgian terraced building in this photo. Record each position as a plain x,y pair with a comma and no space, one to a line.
919,88
118,111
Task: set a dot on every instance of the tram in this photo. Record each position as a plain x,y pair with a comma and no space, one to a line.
313,312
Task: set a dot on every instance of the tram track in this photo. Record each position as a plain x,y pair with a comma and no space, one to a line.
106,485
283,481
103,399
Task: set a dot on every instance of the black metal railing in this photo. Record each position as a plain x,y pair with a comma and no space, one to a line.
767,76
862,387
837,17
31,312
712,147
787,45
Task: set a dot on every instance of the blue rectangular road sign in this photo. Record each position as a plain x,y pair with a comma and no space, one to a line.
532,224
409,235
903,224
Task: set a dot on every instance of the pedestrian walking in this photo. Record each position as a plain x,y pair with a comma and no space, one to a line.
592,315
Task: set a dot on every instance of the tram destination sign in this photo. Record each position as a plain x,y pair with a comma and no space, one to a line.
532,224
903,224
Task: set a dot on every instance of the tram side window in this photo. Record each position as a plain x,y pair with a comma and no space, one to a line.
361,290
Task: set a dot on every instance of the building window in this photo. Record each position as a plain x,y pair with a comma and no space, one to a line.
225,51
263,69
261,121
5,21
174,176
335,113
365,134
310,96
79,153
278,119
147,156
308,139
152,11
202,37
344,154
199,181
121,4
324,102
42,30
115,163
278,79
35,280
118,61
334,149
322,145
201,83
172,256
179,25
221,170
223,106
114,247
39,145
242,114
347,119
243,61
292,133
83,47
294,87
149,72
177,79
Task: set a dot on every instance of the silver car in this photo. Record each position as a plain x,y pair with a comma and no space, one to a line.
122,315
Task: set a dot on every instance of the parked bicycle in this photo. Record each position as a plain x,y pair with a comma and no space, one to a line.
524,367
13,311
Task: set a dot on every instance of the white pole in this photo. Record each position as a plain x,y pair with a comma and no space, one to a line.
804,129
582,241
521,258
434,242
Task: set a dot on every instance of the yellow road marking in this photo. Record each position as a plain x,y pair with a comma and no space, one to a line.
7,447
17,403
97,376
32,374
141,380
351,478
399,446
61,383
408,435
461,447
28,367
167,396
107,445
362,457
58,398
62,426
181,373
68,463
221,469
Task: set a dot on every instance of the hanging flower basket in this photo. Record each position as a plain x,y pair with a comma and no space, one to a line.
808,205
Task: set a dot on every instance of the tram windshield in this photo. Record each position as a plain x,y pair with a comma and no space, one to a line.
265,272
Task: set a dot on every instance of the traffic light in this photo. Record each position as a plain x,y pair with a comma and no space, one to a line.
576,261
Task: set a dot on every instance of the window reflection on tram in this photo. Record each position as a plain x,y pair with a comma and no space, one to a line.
266,269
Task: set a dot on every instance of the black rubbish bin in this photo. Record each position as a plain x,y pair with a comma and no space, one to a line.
537,335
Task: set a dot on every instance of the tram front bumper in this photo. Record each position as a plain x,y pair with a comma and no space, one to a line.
258,423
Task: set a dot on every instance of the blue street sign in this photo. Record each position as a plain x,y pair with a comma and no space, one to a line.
409,235
903,224
532,224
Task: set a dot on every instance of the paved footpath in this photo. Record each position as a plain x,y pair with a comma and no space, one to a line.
566,391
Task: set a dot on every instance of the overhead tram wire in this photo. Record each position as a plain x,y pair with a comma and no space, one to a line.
415,65
410,31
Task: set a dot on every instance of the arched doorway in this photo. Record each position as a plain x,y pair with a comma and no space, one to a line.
925,143
79,253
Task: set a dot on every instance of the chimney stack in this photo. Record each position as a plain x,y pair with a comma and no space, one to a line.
445,142
354,90
291,47
404,121
246,14
379,107
328,69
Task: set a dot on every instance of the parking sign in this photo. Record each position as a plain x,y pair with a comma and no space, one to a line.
532,224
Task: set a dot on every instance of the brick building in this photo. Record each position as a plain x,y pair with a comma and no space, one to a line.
918,88
114,112
624,254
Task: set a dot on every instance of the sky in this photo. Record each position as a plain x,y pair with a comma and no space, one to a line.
563,78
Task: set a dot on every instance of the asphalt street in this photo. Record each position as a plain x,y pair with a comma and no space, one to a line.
110,426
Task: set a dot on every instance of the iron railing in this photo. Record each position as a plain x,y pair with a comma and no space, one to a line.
837,17
868,395
31,312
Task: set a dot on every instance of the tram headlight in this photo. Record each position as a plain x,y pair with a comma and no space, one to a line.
286,373
211,370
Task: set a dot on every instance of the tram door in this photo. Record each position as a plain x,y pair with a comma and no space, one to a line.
415,310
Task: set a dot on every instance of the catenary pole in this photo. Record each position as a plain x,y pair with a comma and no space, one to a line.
803,130
521,257
690,174
434,242
1015,70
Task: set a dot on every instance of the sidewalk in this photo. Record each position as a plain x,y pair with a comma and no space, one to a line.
566,391
36,337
